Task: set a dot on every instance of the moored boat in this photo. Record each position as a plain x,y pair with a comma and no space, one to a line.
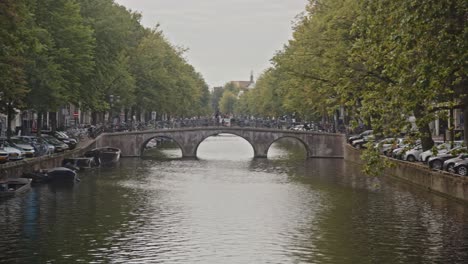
104,156
80,163
36,177
62,174
12,187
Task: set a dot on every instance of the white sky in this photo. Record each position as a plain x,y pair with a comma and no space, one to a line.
226,38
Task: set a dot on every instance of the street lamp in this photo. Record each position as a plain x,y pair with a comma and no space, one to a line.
112,99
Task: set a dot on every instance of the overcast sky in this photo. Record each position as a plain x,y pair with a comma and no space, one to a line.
226,38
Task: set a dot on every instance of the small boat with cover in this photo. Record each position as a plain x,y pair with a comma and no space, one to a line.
12,187
62,174
105,155
79,163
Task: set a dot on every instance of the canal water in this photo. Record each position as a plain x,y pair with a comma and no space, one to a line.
226,207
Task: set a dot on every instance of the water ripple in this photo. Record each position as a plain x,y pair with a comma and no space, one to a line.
238,210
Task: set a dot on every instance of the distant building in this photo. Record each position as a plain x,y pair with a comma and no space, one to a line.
244,85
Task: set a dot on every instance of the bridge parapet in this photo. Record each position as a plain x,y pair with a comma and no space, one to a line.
318,145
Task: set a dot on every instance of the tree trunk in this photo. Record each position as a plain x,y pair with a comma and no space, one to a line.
465,124
138,115
132,113
53,120
39,123
147,116
93,118
9,117
426,136
425,131
451,125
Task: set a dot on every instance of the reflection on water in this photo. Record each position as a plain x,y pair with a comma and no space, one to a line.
229,208
162,148
225,147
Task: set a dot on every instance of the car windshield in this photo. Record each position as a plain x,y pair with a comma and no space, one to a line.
29,139
51,139
18,141
54,141
443,146
457,150
62,134
4,143
38,140
418,147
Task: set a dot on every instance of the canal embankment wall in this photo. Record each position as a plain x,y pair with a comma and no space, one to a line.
18,168
440,182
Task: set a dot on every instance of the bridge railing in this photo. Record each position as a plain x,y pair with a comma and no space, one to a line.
203,122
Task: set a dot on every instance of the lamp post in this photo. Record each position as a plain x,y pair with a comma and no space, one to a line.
112,99
111,103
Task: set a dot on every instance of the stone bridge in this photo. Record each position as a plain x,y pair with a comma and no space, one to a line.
317,144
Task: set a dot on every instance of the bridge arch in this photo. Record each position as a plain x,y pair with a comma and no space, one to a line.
304,144
145,142
215,133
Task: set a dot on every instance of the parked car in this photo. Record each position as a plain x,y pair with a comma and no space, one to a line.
412,154
3,156
59,145
360,143
437,162
461,167
387,145
14,154
20,144
449,164
441,148
41,147
398,152
62,136
360,136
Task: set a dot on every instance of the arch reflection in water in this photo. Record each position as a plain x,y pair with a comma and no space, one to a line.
162,148
287,148
225,147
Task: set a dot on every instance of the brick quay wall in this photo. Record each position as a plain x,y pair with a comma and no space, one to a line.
18,168
440,182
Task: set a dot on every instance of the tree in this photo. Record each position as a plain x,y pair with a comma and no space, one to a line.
63,58
416,50
266,99
227,102
314,66
384,61
117,32
14,38
165,82
215,97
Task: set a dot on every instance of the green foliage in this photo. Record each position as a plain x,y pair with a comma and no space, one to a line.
374,164
216,96
265,99
227,102
15,20
231,87
166,83
383,61
55,52
117,32
62,57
